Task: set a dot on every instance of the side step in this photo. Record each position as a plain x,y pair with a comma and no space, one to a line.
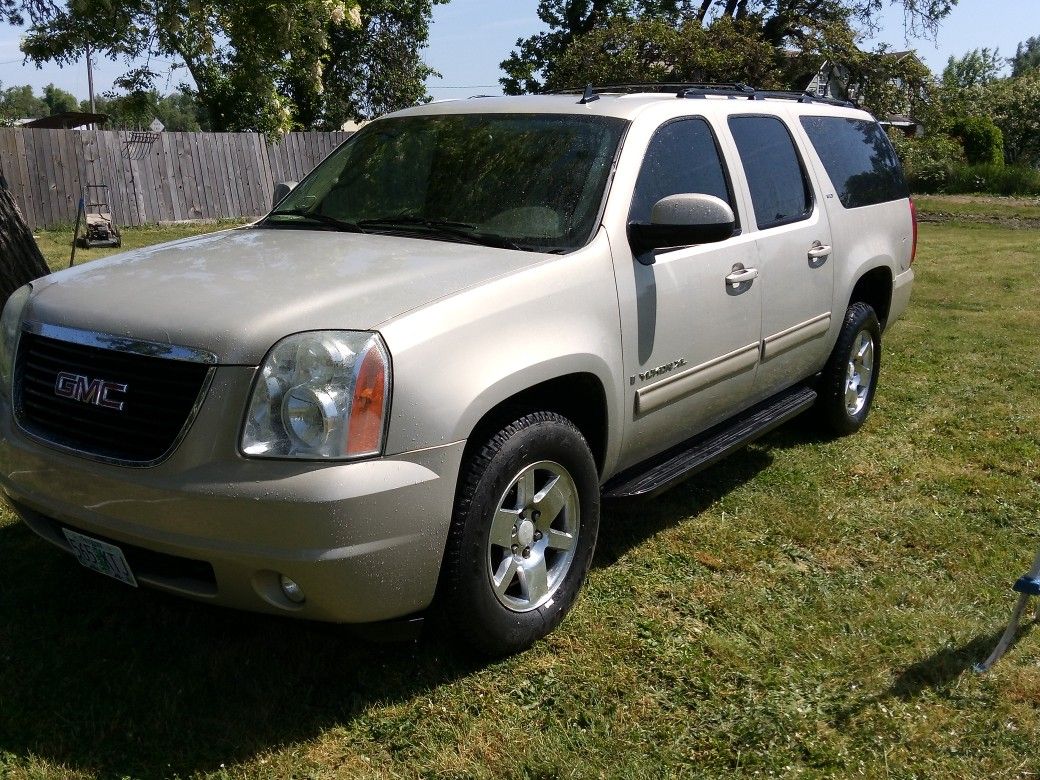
656,475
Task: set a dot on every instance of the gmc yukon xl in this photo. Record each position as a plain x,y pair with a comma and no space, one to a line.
410,385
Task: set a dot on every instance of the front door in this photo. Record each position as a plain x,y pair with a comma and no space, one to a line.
691,320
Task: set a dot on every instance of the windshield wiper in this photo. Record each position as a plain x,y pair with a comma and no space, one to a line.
441,227
314,216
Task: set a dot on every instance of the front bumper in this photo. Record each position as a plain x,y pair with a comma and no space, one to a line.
363,540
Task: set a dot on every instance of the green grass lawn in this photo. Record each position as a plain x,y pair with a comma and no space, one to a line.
806,608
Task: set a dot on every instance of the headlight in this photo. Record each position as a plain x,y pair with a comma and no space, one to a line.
10,330
323,394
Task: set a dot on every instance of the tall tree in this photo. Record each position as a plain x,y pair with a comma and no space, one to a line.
534,58
371,68
20,103
782,23
1027,57
975,69
235,50
653,51
266,65
59,101
1014,106
253,63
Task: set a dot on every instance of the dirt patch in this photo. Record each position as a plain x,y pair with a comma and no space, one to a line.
1015,223
1012,212
996,200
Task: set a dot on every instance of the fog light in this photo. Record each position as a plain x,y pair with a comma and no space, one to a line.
292,591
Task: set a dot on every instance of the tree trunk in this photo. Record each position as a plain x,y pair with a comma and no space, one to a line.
20,258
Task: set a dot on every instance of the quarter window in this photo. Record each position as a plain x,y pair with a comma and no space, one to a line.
682,158
859,159
780,192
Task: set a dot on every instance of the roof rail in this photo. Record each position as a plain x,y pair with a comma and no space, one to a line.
629,89
801,97
734,90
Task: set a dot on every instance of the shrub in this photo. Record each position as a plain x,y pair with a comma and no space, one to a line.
982,140
993,179
927,161
938,164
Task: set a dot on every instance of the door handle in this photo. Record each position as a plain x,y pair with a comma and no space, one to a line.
740,274
819,251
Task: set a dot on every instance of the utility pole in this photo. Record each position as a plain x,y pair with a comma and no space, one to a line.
90,84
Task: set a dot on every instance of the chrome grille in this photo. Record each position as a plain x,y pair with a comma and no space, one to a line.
159,398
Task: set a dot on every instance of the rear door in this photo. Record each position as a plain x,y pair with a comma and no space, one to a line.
794,250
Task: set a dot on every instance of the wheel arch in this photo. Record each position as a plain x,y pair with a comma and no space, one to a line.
874,288
580,396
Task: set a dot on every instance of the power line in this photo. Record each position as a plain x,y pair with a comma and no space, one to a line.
474,86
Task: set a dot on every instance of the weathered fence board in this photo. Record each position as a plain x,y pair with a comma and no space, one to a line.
176,176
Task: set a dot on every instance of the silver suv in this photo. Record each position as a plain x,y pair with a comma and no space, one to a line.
407,389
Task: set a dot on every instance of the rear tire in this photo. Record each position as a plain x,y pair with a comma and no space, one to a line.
848,382
522,535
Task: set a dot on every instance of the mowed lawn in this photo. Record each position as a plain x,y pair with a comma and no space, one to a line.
807,608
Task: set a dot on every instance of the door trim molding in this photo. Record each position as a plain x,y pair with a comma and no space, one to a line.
698,377
796,335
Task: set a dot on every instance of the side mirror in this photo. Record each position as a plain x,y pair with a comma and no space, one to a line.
681,220
281,189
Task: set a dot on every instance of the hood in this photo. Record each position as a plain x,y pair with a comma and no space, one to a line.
237,292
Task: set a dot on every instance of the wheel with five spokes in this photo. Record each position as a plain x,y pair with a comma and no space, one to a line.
522,534
848,382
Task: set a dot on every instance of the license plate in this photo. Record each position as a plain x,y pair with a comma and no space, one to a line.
100,557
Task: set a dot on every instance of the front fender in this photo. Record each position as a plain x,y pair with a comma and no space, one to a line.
457,358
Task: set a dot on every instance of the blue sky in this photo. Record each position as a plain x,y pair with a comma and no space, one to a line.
469,38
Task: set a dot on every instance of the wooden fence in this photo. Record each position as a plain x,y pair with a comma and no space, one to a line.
164,177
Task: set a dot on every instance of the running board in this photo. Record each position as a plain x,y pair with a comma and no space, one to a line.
656,475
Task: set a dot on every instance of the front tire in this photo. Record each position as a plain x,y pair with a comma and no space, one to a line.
848,382
522,535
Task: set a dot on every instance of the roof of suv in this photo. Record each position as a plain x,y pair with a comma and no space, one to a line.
629,105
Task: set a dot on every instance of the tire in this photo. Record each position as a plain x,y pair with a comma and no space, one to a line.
848,382
522,535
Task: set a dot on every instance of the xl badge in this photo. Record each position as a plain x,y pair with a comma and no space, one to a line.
96,392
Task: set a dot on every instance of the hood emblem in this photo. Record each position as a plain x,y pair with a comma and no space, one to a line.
96,392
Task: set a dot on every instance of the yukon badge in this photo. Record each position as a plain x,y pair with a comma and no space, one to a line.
96,392
658,371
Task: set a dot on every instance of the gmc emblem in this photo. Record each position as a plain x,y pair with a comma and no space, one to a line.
89,391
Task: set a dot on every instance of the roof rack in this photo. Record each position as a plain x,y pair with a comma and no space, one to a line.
630,89
801,97
733,90
751,93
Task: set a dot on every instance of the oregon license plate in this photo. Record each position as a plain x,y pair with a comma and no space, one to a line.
100,557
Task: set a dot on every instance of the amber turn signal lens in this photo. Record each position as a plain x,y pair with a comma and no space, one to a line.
365,432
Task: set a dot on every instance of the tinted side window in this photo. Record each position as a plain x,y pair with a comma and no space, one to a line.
682,157
780,192
858,158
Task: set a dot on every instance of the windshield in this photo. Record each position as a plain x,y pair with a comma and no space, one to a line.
524,181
